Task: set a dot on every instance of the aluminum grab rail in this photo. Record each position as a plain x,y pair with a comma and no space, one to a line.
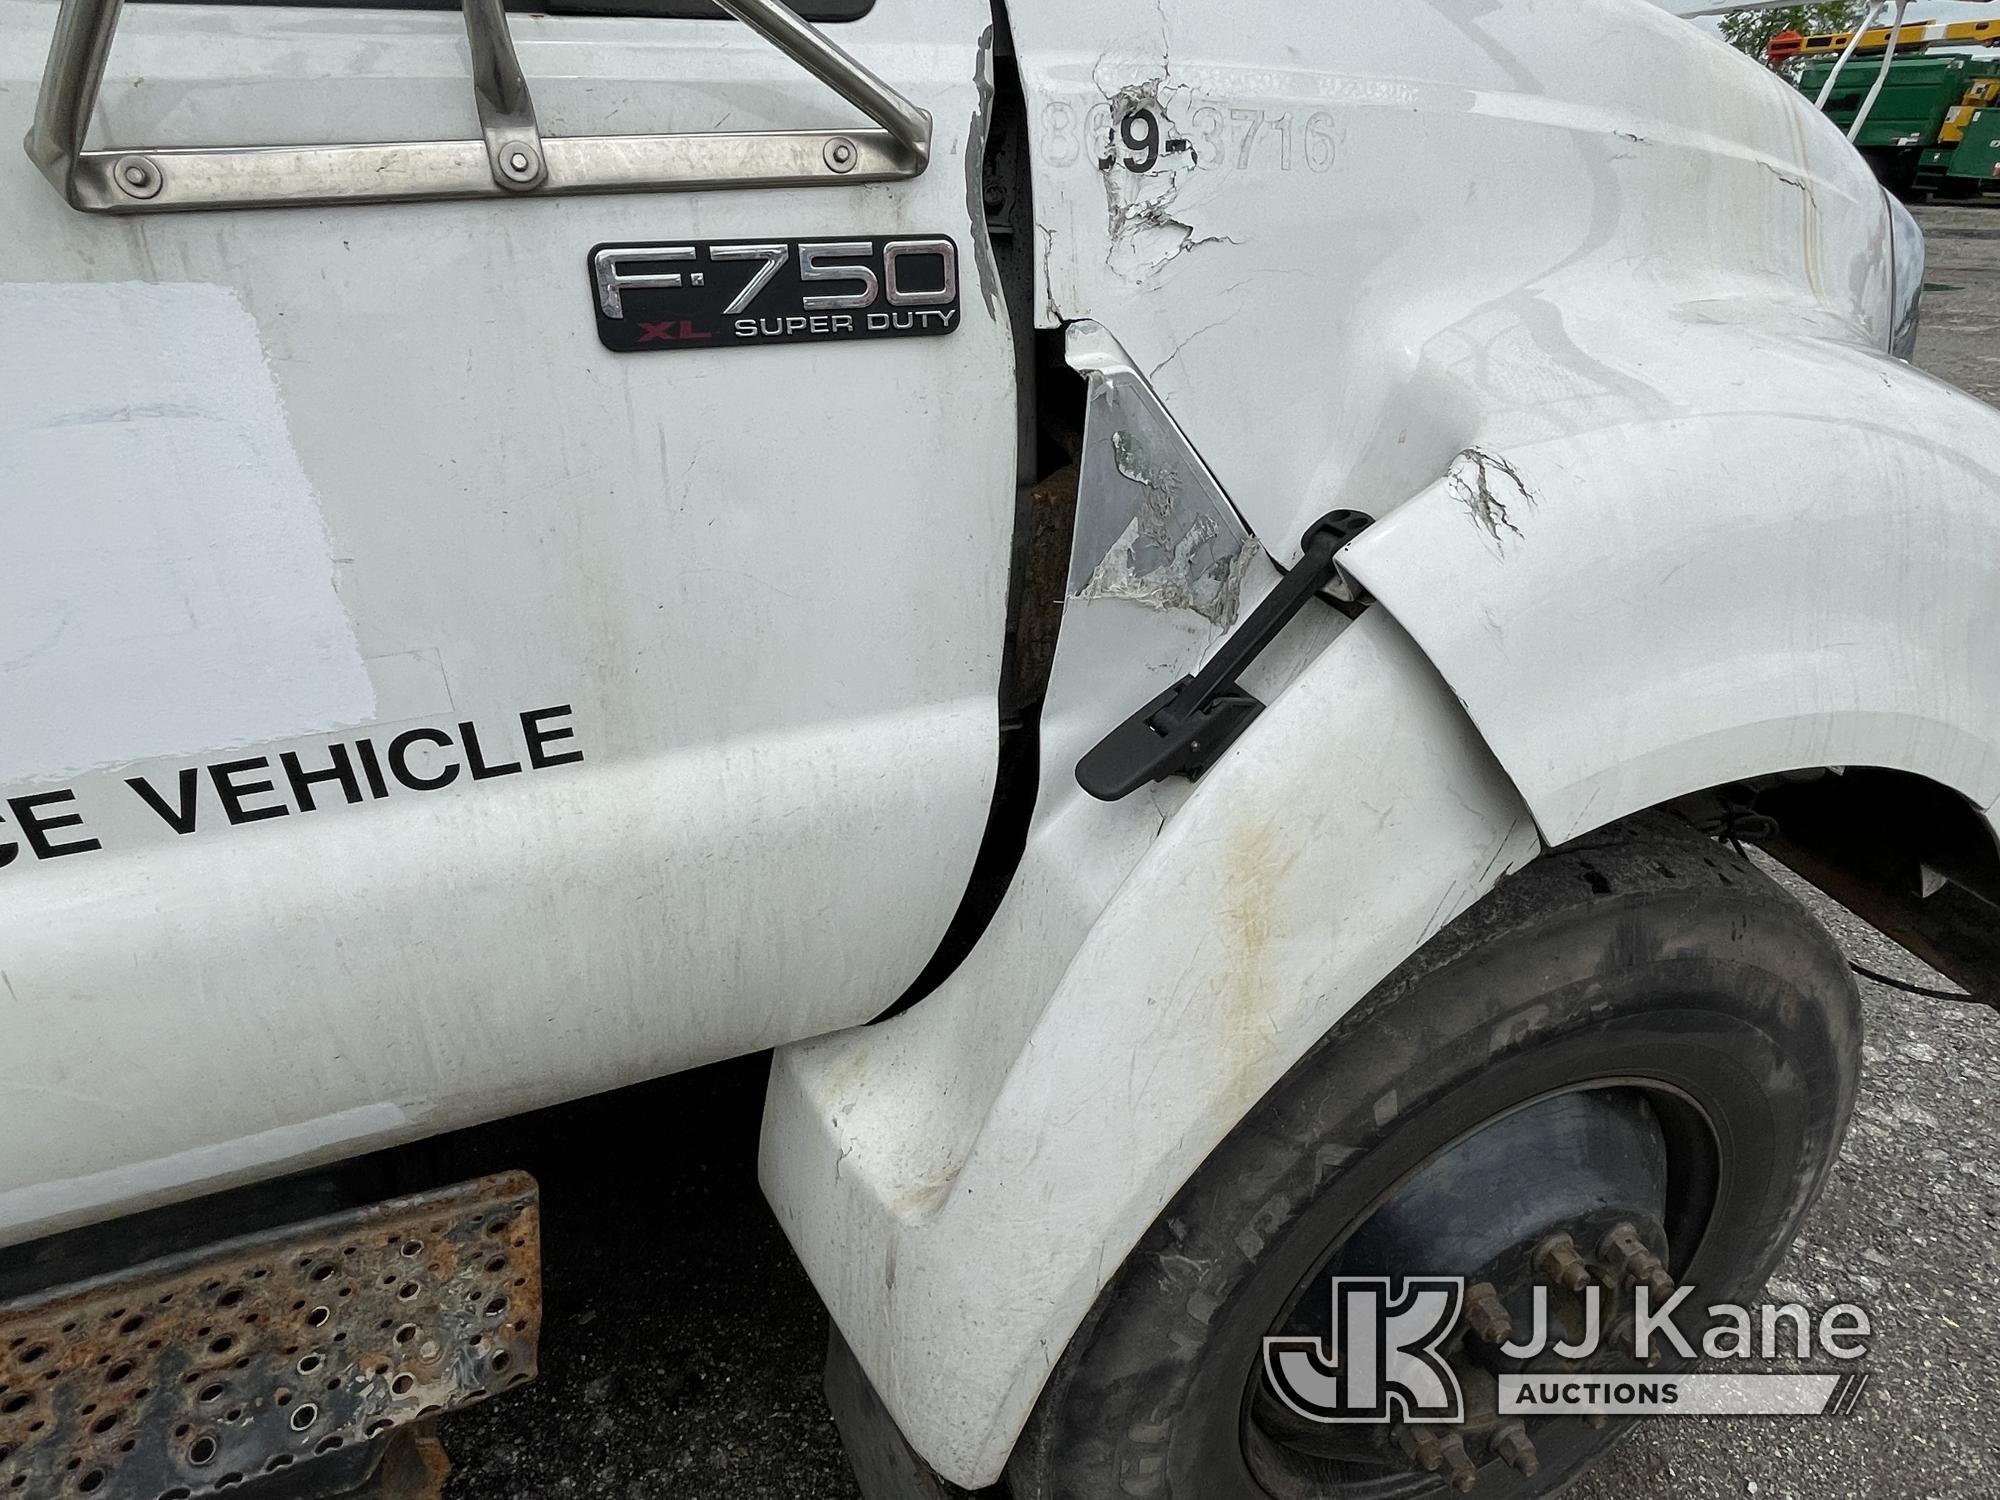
512,159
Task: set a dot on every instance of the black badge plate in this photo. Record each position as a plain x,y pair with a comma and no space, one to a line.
723,294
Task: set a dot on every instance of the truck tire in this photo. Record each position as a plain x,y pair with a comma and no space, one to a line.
1639,1027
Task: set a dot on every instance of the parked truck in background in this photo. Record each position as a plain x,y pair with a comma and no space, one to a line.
1922,94
1187,609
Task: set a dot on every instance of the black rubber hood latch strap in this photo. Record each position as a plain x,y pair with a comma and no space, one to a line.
1185,730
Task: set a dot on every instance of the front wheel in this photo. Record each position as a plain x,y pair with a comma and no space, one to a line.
1637,1054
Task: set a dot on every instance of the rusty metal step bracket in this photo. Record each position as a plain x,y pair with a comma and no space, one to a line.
299,1348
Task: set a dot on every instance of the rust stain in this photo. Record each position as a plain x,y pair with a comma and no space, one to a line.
310,1342
415,1467
1257,871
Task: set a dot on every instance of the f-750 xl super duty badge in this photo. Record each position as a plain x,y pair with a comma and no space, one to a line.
710,294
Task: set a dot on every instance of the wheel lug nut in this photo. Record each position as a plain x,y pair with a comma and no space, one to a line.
1557,1259
1422,1448
1626,1258
1621,1242
1643,1265
1464,1472
1486,1315
1625,1339
1625,1255
1512,1444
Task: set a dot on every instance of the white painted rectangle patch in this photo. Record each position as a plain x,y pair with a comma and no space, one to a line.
168,586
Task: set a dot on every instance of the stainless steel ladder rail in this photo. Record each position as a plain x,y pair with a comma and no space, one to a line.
511,159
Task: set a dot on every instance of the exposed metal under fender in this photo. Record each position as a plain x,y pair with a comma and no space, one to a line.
1189,727
1906,855
1797,567
962,1181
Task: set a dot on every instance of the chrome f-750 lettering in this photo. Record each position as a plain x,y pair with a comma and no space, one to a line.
811,269
607,270
898,251
770,258
773,292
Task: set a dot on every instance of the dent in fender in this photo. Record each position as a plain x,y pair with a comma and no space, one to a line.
1805,574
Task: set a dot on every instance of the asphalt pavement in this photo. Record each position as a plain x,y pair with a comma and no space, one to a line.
1909,1226
682,1347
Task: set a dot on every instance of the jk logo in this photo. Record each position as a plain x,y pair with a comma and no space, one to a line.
1381,1361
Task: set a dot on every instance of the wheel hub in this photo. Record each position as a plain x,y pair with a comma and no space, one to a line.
1560,1197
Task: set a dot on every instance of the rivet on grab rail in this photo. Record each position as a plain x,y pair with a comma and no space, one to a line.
136,176
520,164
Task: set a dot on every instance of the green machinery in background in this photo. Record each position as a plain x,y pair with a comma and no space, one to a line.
1935,127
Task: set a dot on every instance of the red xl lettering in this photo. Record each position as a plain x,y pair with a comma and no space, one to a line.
670,332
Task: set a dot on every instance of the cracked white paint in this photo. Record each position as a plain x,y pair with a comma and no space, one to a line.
1143,213
1491,490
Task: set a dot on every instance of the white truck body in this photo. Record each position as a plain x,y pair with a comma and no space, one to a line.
1591,313
373,474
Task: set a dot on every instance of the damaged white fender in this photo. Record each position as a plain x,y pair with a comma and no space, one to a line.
1347,243
1614,315
1594,331
963,1180
1796,567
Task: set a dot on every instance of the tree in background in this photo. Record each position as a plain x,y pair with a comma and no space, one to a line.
1750,30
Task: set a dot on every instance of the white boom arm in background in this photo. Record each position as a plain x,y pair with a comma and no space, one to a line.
1697,8
1709,8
